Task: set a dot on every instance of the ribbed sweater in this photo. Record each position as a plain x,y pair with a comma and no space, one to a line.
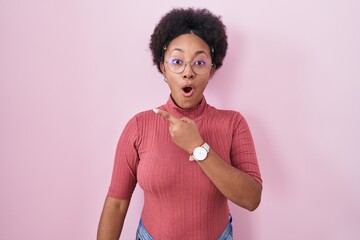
180,201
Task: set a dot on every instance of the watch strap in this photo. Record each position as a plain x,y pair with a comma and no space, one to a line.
206,146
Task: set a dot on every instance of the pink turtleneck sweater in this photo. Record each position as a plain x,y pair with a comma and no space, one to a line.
180,201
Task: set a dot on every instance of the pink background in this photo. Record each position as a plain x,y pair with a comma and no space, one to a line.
73,72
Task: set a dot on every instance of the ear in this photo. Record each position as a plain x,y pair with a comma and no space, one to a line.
212,71
162,67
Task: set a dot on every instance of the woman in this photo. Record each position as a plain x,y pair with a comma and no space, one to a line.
187,156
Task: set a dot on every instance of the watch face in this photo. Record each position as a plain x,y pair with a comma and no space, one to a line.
200,153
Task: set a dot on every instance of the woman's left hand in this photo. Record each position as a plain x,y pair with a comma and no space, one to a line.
183,131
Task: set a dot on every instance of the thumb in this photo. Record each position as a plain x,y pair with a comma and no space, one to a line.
187,120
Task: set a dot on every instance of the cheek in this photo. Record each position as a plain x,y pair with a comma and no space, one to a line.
204,82
173,79
173,84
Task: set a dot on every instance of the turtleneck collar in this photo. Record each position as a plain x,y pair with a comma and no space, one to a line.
194,113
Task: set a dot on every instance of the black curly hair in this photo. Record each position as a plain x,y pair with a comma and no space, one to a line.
200,22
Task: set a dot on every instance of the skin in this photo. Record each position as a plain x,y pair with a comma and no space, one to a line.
112,219
234,184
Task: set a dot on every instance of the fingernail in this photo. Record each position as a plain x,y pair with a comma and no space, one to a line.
155,110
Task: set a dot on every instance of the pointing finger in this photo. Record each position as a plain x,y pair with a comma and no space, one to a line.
171,118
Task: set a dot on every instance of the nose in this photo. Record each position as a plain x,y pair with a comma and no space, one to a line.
188,72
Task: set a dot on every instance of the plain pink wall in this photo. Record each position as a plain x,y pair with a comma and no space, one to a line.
73,72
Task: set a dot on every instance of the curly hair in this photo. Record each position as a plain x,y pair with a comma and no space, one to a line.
200,22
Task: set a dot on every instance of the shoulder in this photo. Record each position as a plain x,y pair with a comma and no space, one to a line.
145,118
144,114
231,118
140,117
139,123
225,114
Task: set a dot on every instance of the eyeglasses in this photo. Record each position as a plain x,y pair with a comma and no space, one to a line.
177,65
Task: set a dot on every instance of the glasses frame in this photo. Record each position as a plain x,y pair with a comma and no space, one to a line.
191,66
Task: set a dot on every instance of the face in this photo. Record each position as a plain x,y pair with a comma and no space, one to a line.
187,87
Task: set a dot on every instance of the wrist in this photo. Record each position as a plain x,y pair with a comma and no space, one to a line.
198,144
200,152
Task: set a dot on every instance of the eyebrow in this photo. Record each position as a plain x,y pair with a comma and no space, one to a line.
196,53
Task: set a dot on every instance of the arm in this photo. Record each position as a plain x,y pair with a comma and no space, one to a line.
234,184
112,219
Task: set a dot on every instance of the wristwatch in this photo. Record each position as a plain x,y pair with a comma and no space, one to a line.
200,153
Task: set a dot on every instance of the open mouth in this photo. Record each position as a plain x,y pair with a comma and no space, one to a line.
187,89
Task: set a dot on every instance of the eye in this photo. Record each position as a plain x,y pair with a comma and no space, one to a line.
200,63
175,61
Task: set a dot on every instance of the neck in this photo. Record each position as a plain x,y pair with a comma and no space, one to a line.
186,108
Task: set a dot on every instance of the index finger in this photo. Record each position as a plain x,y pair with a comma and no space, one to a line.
171,118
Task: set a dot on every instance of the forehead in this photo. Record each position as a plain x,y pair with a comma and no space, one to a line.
188,44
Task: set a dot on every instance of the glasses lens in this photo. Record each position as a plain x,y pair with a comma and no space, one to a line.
176,65
200,66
